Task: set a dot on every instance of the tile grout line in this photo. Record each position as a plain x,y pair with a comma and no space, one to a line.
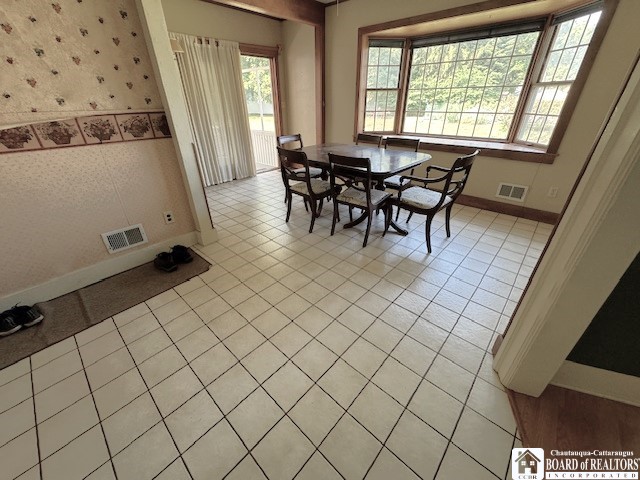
95,406
162,418
370,380
30,398
394,266
224,416
358,336
406,407
261,385
91,393
429,348
475,376
290,359
450,440
513,445
35,419
283,327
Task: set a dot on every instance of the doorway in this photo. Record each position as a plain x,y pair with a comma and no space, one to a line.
259,77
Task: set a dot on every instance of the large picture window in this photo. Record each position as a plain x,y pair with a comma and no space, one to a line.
468,88
502,83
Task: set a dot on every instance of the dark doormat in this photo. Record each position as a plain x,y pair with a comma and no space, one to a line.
71,313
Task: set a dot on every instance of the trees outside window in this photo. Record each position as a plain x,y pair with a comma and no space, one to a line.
499,83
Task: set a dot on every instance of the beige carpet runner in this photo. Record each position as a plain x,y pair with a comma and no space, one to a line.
71,313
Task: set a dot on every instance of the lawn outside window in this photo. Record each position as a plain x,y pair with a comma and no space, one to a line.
506,87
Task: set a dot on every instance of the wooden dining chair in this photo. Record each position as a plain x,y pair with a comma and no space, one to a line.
368,138
355,174
294,141
312,190
285,140
409,144
403,144
425,201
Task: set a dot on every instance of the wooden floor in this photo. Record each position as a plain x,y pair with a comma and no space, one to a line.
568,420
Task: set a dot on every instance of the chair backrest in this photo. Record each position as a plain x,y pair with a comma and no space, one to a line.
285,139
355,172
290,160
368,138
462,165
404,143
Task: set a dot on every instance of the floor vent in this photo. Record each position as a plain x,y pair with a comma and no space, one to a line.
512,192
124,238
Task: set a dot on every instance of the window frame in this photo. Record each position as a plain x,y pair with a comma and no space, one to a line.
510,148
401,82
551,30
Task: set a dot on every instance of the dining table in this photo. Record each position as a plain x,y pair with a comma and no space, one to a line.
384,163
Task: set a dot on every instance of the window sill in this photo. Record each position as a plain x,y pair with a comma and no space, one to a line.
508,151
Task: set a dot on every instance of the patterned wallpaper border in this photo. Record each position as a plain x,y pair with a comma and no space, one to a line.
93,130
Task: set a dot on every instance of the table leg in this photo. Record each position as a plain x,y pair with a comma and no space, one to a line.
395,226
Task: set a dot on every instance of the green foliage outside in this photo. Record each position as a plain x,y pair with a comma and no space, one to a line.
256,77
468,88
472,88
460,89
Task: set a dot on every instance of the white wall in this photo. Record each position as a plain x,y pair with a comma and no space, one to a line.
605,81
200,18
298,75
595,242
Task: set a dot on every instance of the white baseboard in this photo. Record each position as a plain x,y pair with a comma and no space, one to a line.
601,383
94,273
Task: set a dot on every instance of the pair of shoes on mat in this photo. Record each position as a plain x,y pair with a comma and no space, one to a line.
168,261
16,318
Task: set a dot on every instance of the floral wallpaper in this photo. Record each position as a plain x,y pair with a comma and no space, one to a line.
57,202
96,129
69,58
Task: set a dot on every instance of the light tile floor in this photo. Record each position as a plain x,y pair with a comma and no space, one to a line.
296,355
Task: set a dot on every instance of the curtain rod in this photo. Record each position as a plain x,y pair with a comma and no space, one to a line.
250,48
207,41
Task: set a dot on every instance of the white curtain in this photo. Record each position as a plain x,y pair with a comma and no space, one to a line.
212,80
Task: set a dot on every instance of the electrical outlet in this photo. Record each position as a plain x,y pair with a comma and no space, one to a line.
553,192
168,217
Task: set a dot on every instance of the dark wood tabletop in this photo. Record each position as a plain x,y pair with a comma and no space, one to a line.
384,163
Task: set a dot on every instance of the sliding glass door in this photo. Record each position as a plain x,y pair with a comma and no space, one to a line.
260,87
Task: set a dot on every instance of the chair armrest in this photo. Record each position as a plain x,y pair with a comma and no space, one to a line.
438,168
423,179
454,186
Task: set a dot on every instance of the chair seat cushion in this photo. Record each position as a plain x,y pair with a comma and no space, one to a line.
318,186
394,182
313,171
359,198
420,197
